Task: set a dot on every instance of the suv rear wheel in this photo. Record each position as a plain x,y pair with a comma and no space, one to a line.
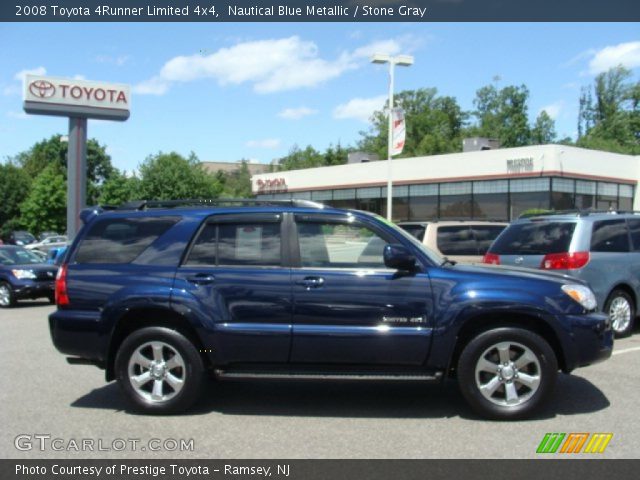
160,370
620,308
507,373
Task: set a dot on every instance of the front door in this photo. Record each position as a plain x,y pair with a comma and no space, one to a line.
348,307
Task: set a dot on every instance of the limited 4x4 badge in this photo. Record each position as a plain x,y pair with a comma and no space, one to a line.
421,319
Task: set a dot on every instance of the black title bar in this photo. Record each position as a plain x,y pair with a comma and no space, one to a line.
319,10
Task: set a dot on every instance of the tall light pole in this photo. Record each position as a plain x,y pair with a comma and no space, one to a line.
403,61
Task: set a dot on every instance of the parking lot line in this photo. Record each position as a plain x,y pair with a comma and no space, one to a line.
625,350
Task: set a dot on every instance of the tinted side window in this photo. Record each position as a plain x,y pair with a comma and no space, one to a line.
485,235
415,230
237,244
634,226
456,240
331,245
610,236
535,238
121,240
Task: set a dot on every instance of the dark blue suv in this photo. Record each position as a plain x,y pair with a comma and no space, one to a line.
161,294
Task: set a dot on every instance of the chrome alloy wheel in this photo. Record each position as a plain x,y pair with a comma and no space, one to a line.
156,371
508,374
620,314
5,295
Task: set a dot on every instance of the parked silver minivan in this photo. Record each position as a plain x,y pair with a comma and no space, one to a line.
602,248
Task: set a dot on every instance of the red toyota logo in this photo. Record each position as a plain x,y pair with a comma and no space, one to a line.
42,89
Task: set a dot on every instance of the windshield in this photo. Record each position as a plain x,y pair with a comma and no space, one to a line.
18,256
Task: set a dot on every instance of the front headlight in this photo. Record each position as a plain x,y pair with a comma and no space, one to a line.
581,294
24,274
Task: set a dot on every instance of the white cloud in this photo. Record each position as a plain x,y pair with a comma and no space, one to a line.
16,89
265,143
79,77
625,54
33,71
153,86
17,115
553,110
296,113
272,65
119,60
360,108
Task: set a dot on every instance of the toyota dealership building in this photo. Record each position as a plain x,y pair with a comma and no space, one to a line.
488,184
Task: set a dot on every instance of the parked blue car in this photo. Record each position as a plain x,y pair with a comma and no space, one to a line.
160,294
23,274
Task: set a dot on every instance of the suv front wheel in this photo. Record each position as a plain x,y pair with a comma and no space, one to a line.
506,373
620,308
160,370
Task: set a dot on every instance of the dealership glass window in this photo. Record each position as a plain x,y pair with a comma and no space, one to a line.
369,199
523,201
400,202
301,195
585,194
607,196
493,206
529,185
321,195
562,194
345,198
455,200
625,198
423,202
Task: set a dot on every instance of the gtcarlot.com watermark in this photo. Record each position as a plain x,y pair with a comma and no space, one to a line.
45,442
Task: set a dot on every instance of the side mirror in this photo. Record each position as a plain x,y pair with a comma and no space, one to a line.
399,257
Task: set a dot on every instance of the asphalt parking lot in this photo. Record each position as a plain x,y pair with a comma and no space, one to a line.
41,394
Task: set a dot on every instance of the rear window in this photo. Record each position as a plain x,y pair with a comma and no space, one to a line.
456,241
535,238
415,230
121,240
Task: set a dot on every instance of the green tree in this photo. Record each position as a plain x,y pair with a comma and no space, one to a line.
54,151
170,176
119,189
434,125
14,189
297,159
236,184
46,206
544,130
609,116
503,114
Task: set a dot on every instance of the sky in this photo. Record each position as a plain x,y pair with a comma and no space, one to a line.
231,91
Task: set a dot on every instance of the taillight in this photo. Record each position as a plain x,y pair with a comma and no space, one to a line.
564,261
491,259
62,298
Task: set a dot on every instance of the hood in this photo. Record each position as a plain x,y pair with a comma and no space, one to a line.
517,273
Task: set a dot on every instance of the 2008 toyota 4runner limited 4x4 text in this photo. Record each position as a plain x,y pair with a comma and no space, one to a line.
160,295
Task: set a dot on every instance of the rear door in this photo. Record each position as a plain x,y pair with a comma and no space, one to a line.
235,270
348,307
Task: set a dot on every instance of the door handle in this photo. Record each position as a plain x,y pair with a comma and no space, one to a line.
201,279
311,282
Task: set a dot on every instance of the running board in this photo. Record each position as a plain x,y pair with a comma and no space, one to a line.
346,376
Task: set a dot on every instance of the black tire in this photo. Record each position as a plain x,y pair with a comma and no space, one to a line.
540,367
622,311
7,297
180,361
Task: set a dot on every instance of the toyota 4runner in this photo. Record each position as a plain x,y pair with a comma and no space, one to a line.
160,294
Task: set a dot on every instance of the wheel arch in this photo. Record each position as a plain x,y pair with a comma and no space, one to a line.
625,287
474,326
138,318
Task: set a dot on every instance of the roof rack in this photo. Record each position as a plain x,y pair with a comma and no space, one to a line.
214,202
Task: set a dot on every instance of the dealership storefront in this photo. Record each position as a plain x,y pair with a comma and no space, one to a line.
491,184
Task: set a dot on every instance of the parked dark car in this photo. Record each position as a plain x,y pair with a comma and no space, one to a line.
601,248
23,274
294,290
20,238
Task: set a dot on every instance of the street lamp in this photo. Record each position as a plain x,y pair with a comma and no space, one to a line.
403,61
